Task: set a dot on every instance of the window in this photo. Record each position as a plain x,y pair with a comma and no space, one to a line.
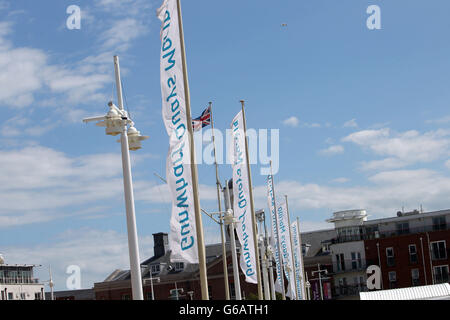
356,260
390,257
412,253
179,266
440,274
403,228
23,296
156,268
392,279
438,250
439,223
37,296
343,289
325,247
10,296
126,296
340,262
415,277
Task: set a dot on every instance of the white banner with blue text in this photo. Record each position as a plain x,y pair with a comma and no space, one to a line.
274,243
284,234
298,261
183,235
241,199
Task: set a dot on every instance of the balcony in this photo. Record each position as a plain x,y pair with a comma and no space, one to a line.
18,280
349,266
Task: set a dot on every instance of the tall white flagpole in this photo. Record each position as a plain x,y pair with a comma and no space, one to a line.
221,215
252,208
133,247
198,216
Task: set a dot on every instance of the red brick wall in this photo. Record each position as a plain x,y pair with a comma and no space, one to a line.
403,266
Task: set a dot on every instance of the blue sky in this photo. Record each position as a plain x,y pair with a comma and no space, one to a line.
363,115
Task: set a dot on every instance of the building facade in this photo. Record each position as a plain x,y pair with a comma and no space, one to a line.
17,283
411,249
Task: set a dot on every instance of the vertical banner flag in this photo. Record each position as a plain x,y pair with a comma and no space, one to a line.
297,260
241,200
274,239
183,234
284,234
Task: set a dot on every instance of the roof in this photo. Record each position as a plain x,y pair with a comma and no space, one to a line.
408,217
432,292
213,252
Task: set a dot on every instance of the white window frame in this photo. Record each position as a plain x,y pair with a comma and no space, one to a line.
415,252
387,256
415,278
441,266
432,251
155,268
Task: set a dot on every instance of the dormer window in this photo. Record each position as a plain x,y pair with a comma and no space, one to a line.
156,269
179,266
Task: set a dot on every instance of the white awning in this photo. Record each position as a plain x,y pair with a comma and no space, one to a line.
433,292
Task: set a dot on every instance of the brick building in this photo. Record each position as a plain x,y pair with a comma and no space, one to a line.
411,249
168,277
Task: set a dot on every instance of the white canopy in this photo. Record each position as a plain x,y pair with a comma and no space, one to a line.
432,292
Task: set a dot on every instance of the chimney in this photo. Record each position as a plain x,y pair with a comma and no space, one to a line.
160,244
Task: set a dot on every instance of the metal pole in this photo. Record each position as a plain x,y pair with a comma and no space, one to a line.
133,247
308,292
379,263
263,252
423,262
272,283
51,284
302,269
429,255
198,217
237,282
151,283
222,234
265,273
292,249
252,208
320,282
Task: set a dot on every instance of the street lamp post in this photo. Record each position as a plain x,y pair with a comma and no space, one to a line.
319,271
230,220
116,122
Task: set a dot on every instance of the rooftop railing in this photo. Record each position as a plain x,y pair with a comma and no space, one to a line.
18,280
369,235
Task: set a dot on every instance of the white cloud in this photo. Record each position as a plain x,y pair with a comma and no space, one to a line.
402,148
40,184
82,248
340,180
442,120
120,35
447,164
387,192
291,122
350,124
331,150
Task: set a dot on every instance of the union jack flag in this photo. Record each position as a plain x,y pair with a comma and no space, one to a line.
202,121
